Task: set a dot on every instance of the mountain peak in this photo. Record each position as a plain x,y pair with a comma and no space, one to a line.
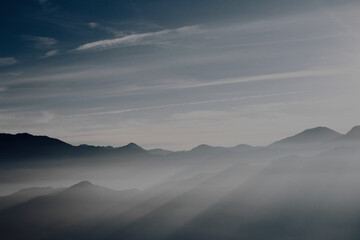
133,146
242,147
201,147
318,134
315,130
354,132
86,188
82,185
352,135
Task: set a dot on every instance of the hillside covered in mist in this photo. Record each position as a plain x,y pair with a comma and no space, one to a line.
301,187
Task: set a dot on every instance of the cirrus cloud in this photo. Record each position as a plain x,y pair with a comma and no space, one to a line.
138,38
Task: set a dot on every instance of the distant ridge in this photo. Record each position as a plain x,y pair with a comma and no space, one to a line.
354,133
159,151
86,187
204,147
206,150
26,146
313,135
22,146
81,185
242,147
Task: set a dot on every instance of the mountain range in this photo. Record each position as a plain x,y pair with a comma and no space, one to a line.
23,146
27,146
301,187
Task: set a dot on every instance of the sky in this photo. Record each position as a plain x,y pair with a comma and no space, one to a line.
175,74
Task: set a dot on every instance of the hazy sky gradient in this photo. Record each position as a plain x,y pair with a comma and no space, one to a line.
175,74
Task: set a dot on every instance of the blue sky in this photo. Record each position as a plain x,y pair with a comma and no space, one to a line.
175,74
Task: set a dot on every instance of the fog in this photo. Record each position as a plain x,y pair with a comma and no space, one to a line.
302,187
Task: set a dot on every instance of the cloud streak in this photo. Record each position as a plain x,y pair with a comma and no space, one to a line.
113,31
7,61
50,53
136,39
264,77
173,84
42,42
189,84
187,104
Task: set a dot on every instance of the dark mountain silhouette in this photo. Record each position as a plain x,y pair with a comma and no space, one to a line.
25,146
309,136
130,148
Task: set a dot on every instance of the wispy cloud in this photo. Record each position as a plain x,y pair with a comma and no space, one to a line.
263,77
187,84
7,61
187,104
50,53
136,39
111,30
42,42
176,83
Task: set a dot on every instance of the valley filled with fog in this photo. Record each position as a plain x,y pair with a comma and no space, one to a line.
302,187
